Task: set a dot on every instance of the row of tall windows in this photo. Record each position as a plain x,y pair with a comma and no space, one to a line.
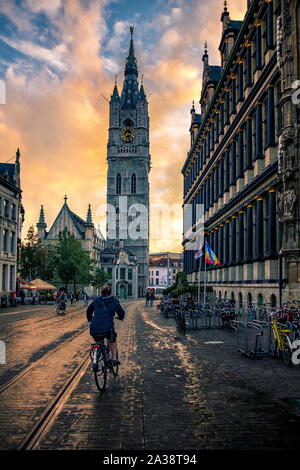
8,209
8,284
8,241
119,184
259,131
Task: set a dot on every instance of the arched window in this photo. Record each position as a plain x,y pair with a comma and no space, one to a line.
249,299
119,183
133,184
273,300
240,299
260,299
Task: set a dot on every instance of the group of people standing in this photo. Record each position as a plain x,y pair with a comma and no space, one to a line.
149,298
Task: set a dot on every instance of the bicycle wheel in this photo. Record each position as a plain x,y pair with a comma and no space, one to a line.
115,368
101,373
287,351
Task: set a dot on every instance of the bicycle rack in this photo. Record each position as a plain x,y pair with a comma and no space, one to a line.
198,318
249,345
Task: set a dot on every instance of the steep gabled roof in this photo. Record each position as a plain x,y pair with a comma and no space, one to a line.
78,222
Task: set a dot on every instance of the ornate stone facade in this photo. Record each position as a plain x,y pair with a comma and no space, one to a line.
243,166
11,220
289,196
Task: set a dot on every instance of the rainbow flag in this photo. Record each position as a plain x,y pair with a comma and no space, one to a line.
210,257
198,253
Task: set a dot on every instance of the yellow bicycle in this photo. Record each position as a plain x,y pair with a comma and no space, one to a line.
280,341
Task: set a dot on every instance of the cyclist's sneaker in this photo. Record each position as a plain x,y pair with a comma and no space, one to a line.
116,362
95,367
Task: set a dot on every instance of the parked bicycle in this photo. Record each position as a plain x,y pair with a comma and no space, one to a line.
280,340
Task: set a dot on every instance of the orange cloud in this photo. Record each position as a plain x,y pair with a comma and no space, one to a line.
60,122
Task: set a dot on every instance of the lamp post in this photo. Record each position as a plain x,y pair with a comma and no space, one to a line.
280,255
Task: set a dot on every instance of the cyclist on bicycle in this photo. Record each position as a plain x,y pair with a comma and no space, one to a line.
62,298
101,313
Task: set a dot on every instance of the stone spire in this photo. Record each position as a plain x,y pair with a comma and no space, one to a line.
17,171
225,16
41,223
131,63
205,57
115,95
193,111
130,91
142,94
89,220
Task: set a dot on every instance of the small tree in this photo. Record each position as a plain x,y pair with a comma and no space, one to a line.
29,255
71,262
100,278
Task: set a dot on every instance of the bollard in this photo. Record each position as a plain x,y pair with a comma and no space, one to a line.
2,352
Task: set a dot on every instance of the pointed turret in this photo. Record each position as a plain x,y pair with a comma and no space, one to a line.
142,94
225,16
205,57
193,112
41,222
230,30
115,95
41,225
130,91
89,220
16,177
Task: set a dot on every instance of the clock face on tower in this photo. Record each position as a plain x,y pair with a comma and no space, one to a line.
127,133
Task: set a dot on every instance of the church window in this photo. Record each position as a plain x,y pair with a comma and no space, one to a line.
133,184
119,183
117,219
122,273
129,274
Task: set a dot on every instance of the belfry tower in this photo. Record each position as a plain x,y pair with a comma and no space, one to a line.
128,169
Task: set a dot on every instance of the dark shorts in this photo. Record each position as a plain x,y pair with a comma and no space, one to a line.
110,335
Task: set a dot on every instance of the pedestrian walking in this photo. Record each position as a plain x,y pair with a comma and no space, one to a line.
71,297
22,295
147,298
12,299
85,299
151,299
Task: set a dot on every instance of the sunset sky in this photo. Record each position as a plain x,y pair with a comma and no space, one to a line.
59,57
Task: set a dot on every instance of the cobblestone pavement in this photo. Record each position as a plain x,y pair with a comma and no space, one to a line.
174,392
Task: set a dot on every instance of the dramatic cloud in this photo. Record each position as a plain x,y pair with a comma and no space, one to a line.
56,112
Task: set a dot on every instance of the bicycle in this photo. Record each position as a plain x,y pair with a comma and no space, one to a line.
280,341
102,362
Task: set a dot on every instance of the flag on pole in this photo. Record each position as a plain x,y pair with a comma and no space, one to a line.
210,257
198,253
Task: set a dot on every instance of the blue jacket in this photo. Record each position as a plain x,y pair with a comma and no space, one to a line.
101,313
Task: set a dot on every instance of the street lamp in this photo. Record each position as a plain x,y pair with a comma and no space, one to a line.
280,255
